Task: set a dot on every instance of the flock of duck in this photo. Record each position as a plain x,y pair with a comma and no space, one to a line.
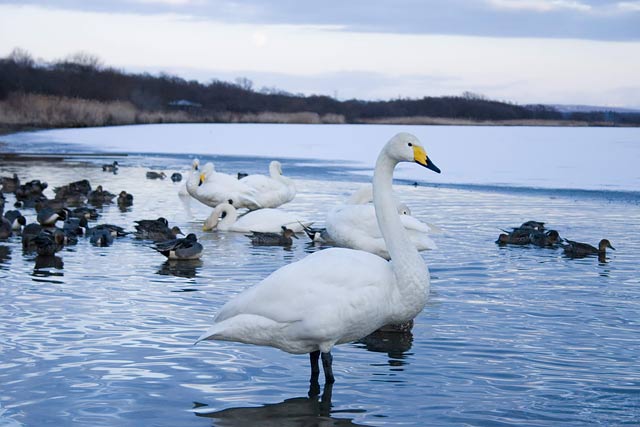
70,206
535,233
342,294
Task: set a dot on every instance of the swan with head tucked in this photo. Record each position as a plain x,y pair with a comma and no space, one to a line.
336,295
273,190
269,220
212,188
355,227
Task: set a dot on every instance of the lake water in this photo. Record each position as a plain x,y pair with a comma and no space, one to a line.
516,336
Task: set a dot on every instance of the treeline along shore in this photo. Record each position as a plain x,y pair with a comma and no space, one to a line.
79,92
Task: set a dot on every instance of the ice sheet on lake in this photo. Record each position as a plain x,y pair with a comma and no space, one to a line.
539,157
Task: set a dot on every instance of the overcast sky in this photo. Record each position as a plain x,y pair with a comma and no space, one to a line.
523,51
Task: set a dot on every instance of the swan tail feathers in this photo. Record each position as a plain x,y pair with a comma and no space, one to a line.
245,328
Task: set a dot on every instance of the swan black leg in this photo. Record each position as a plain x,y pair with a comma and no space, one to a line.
327,359
315,367
314,387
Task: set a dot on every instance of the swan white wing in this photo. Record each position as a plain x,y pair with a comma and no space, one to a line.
422,242
324,305
270,193
261,182
412,223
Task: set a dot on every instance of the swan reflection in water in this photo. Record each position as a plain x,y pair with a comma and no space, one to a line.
180,268
314,410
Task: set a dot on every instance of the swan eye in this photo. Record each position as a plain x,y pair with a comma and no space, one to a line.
230,201
410,144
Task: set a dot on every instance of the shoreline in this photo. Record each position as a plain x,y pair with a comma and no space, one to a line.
6,129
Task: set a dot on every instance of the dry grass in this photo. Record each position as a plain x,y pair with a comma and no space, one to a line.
23,111
53,111
45,111
304,117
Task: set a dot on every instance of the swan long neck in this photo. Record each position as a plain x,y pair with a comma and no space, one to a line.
230,217
214,221
408,266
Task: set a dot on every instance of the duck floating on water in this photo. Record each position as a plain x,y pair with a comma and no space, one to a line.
529,232
125,199
16,219
156,229
156,175
100,196
113,167
9,184
580,250
273,239
187,248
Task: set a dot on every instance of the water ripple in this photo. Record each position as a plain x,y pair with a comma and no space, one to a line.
511,336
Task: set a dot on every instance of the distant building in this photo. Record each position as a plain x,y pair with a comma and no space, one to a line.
184,104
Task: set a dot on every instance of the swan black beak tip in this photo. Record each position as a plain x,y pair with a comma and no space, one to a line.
430,165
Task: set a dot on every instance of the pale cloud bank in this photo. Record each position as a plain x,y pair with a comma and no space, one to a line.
331,59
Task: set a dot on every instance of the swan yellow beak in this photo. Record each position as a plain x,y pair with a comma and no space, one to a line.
420,157
201,179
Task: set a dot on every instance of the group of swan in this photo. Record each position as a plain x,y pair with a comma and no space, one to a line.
337,295
252,192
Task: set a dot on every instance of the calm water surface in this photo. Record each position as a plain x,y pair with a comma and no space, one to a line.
511,336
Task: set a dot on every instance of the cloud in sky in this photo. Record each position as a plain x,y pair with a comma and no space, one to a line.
541,5
331,52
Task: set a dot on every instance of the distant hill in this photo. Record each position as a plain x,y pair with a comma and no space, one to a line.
79,91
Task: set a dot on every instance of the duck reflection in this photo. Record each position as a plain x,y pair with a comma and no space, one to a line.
314,410
44,262
180,268
391,340
5,254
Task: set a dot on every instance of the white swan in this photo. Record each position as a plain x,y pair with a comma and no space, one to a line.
182,190
355,227
225,217
273,190
336,295
212,188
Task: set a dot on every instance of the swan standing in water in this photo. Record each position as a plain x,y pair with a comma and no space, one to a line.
273,190
212,188
336,295
225,217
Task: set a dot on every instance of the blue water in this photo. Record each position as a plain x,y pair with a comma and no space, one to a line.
516,336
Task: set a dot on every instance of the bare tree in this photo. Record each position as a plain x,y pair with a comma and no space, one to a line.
244,83
21,57
85,60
